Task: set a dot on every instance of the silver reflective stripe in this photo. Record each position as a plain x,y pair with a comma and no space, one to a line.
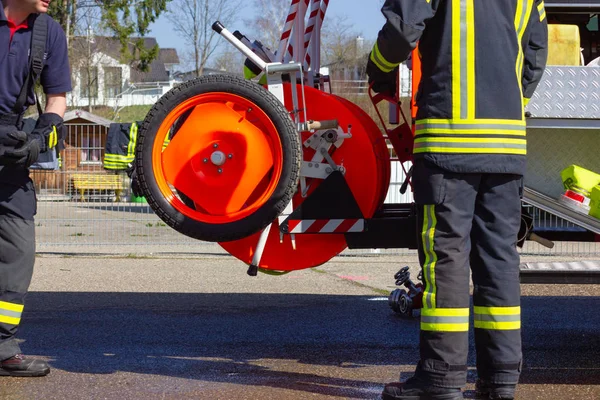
445,320
8,313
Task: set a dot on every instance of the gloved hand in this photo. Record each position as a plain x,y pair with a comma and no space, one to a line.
46,130
383,82
135,184
25,152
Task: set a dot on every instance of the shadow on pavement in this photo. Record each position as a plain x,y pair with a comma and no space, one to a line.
227,337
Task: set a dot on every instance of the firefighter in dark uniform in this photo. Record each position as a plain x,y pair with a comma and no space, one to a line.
481,62
18,150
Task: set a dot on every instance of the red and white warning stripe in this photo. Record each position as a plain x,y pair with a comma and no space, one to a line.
326,225
287,29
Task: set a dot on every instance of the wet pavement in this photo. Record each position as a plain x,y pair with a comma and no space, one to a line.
178,327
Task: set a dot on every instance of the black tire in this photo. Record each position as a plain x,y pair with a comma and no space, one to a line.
285,189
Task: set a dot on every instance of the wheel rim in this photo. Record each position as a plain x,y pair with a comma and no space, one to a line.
226,157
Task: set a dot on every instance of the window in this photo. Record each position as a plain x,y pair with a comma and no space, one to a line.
91,149
112,81
89,82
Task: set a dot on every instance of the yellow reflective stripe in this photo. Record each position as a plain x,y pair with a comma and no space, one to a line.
11,306
542,11
456,84
380,61
471,92
445,312
52,138
428,235
474,150
383,60
445,327
497,326
501,141
481,121
526,101
497,310
9,320
132,140
471,132
524,8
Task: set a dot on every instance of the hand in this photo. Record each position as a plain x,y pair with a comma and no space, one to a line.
382,82
46,130
25,153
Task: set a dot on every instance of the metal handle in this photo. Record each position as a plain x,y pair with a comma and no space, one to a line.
544,242
230,37
328,124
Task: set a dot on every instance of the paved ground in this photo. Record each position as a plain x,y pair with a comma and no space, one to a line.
183,326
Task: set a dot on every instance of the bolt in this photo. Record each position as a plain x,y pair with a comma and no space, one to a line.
230,156
205,160
328,170
323,150
309,165
215,145
316,165
219,170
250,109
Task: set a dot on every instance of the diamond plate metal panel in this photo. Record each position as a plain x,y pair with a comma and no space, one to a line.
567,92
549,151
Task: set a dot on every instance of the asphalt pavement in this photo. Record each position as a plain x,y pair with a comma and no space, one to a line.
182,326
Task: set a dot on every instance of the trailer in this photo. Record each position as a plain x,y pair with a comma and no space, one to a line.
285,175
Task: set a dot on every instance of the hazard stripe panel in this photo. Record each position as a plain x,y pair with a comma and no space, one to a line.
326,225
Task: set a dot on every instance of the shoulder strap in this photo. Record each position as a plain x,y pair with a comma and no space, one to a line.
39,36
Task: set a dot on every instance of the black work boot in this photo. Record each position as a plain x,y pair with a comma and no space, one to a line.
415,389
20,366
488,391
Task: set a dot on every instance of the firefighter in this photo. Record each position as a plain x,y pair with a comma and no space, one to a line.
32,46
481,62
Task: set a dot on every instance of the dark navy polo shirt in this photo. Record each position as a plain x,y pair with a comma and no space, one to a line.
14,62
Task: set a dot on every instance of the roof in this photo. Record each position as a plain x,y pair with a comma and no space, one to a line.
169,56
112,48
81,114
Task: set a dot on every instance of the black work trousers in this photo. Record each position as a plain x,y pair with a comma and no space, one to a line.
17,257
468,220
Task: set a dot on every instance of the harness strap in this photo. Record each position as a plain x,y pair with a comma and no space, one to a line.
39,37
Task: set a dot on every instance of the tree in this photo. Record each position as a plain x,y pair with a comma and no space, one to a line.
126,20
269,21
193,20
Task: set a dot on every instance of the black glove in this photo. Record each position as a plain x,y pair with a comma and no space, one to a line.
25,153
46,130
135,184
383,82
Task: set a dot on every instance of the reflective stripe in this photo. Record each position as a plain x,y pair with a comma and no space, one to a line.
497,318
445,319
486,127
10,313
380,60
132,140
497,310
524,8
11,306
542,11
471,142
470,59
428,234
456,59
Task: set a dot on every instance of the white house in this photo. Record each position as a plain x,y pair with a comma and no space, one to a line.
100,78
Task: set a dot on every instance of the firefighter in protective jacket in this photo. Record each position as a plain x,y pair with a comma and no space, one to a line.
481,62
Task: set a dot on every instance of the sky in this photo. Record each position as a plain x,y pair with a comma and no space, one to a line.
364,14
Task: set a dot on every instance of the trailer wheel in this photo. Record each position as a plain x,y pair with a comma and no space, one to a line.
218,158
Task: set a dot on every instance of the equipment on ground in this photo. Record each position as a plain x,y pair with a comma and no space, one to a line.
284,174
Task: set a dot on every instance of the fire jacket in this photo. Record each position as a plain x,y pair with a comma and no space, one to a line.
120,145
481,62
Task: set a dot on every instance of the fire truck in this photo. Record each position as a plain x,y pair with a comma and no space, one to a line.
285,175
